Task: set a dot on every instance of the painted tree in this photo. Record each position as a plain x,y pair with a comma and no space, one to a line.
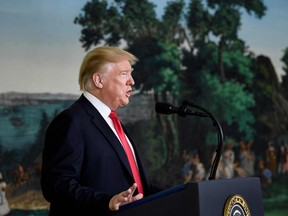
284,84
219,69
271,109
222,20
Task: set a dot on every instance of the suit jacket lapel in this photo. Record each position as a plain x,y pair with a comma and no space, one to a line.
105,129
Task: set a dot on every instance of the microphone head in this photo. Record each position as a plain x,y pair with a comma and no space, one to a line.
165,108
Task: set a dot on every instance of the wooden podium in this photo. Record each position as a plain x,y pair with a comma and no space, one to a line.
238,196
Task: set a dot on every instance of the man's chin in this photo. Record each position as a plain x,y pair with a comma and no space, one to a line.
125,102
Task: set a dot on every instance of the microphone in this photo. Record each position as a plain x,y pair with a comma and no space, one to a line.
167,108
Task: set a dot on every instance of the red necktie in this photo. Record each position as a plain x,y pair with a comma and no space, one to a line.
126,146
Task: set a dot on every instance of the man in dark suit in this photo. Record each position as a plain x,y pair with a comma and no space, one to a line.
85,170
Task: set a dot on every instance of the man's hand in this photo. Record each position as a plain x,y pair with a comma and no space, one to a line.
124,198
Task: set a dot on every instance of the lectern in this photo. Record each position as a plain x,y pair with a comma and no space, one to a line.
237,196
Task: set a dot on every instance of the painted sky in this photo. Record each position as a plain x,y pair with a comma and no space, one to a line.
40,49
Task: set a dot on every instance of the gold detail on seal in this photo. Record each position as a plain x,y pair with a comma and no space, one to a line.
236,205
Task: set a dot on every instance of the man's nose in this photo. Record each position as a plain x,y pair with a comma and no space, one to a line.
131,81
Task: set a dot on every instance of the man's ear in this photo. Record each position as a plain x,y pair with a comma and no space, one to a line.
97,80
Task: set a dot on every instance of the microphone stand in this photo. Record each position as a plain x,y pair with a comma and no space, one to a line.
220,137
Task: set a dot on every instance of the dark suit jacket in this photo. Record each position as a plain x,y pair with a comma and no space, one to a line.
84,163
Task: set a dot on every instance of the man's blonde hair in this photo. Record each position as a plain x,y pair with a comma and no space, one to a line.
98,60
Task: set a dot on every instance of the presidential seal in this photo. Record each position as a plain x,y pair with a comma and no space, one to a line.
236,206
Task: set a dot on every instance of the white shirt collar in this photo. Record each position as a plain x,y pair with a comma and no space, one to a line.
103,109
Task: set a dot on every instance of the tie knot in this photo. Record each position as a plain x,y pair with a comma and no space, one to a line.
113,115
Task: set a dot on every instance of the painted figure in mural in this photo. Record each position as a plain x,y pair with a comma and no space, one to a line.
247,158
266,174
286,159
282,159
229,158
186,169
199,172
4,205
85,170
271,157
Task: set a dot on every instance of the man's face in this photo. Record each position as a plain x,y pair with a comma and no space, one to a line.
117,85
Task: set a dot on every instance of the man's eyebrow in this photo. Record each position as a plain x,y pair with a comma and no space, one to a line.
127,70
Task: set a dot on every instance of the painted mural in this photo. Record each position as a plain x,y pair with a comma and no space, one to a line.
24,118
